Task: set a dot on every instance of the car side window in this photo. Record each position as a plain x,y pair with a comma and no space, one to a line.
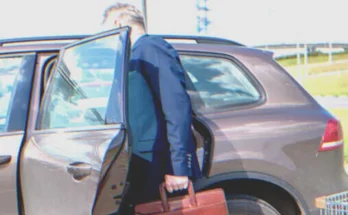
10,68
216,83
78,91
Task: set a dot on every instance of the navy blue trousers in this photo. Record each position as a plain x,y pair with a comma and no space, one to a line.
145,178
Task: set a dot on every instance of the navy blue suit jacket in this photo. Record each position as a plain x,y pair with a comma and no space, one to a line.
160,113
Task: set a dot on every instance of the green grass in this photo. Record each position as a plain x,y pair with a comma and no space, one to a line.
288,62
318,80
312,59
328,68
327,85
342,115
313,69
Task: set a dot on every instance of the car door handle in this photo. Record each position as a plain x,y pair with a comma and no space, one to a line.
79,170
4,159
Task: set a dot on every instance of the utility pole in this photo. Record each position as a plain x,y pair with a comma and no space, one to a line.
299,67
330,52
298,53
305,54
202,17
145,12
306,59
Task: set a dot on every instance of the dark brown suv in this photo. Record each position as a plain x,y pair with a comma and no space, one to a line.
65,146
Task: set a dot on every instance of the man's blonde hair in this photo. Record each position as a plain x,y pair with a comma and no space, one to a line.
127,12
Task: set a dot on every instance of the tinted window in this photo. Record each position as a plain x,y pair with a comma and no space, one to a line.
79,89
10,68
215,83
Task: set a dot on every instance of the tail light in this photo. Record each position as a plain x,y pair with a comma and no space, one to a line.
333,136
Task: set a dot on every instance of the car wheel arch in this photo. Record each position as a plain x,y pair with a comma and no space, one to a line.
218,180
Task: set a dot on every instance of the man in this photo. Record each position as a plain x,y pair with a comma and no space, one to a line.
159,114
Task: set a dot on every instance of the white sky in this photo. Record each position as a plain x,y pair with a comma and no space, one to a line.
251,22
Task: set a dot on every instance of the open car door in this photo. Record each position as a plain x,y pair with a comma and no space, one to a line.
76,161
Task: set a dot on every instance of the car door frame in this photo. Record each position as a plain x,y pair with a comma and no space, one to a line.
16,126
203,119
34,110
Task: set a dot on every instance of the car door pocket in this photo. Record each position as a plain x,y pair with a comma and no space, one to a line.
79,170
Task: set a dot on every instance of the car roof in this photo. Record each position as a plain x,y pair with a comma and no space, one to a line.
54,43
183,38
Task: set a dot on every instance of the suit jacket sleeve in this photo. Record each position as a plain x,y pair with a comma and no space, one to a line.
167,80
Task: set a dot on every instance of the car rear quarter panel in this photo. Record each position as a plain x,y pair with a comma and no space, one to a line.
285,147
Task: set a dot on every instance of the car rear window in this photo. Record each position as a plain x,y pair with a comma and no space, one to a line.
216,82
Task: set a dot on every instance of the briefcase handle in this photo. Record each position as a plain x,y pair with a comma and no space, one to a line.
164,198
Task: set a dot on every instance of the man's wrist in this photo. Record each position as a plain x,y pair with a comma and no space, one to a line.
181,169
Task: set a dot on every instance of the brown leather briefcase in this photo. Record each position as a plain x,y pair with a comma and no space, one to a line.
209,202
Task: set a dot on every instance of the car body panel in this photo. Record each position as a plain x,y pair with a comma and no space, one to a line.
46,174
14,120
280,137
269,142
275,140
66,168
10,145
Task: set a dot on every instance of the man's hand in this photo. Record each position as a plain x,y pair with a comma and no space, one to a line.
175,183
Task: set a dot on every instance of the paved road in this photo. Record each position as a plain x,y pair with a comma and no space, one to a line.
333,102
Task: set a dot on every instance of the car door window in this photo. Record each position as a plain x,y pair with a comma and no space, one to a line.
215,83
9,76
81,85
79,145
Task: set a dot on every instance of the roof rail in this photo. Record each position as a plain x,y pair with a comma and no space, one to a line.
197,39
202,39
41,39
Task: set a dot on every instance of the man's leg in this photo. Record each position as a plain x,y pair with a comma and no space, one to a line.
136,177
145,178
155,176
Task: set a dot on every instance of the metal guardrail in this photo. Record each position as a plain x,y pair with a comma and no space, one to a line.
336,204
